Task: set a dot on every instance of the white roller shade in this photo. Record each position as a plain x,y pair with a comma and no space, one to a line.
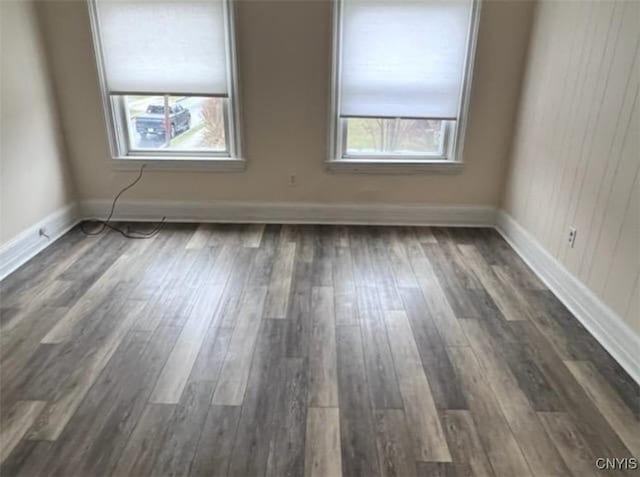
164,46
403,58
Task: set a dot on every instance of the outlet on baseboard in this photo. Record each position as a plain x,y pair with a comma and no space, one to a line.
572,236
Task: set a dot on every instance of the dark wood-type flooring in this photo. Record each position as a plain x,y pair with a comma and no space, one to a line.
288,350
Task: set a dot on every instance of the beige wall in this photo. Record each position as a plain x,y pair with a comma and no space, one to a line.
34,181
576,154
284,61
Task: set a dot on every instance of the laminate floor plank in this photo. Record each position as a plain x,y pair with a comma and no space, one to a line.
465,444
299,320
512,306
280,283
516,268
344,287
234,375
95,299
226,234
425,234
383,271
444,266
213,351
531,379
98,431
91,265
435,298
35,279
269,350
35,275
362,268
167,255
216,442
357,428
59,411
540,453
399,259
621,418
322,271
260,273
445,385
18,347
28,459
323,380
288,429
255,432
394,444
146,441
569,443
381,374
574,343
200,237
426,435
251,236
322,443
183,355
16,422
441,469
227,311
497,438
448,241
183,432
593,427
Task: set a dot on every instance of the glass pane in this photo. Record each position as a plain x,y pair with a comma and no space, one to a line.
194,123
401,137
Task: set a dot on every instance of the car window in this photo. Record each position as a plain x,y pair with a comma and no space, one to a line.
155,109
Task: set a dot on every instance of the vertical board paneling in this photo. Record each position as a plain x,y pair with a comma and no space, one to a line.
575,154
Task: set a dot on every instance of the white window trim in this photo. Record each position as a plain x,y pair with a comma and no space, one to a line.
231,161
450,163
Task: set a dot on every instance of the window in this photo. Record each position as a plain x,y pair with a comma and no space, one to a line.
168,73
401,80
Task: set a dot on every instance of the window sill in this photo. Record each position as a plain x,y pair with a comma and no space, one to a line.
179,164
363,166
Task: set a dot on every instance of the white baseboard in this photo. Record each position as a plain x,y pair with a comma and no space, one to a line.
601,321
293,212
29,242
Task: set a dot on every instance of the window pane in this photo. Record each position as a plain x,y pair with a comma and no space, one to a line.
194,123
402,137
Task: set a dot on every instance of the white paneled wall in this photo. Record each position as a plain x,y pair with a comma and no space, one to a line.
576,153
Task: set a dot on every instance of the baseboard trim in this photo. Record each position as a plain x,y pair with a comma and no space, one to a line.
601,321
28,243
293,212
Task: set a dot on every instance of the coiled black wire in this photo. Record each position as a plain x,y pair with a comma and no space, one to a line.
103,225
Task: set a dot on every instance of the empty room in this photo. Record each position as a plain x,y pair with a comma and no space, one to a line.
319,238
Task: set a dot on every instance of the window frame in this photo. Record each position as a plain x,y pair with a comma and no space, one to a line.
123,156
452,159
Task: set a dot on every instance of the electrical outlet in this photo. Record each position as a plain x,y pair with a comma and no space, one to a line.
572,236
292,179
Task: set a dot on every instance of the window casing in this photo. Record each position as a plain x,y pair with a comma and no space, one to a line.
383,86
188,101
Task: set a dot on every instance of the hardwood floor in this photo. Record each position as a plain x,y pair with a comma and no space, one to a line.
286,350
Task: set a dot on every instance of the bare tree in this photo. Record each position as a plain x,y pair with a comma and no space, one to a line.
387,134
212,117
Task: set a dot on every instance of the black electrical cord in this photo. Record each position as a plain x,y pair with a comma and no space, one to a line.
106,224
